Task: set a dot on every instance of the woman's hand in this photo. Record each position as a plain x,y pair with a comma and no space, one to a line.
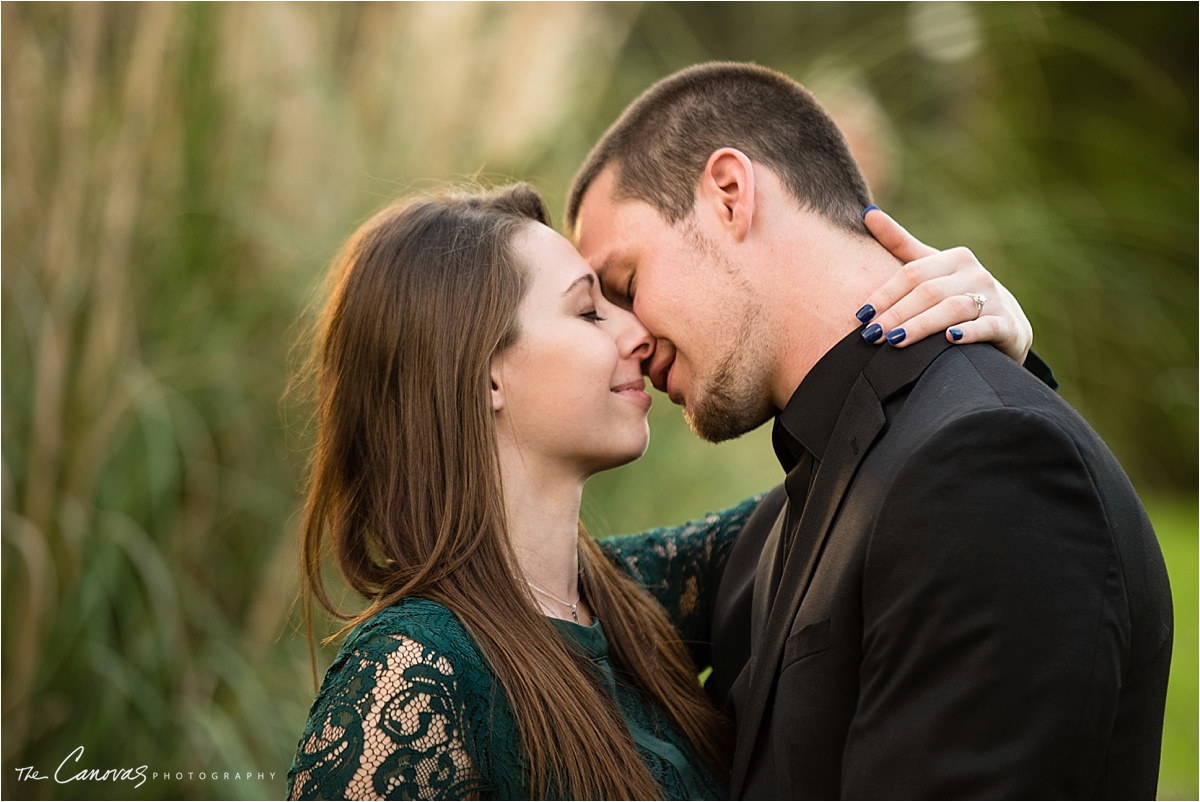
940,291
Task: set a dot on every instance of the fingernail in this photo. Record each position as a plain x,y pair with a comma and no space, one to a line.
956,334
895,336
869,208
871,333
866,313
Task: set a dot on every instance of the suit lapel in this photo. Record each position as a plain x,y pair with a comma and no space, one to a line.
765,574
860,423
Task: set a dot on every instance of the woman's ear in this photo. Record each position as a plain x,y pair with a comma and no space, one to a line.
727,189
497,377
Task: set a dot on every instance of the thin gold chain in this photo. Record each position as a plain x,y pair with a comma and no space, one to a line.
572,606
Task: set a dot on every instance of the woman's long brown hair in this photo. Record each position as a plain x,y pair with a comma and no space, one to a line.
404,488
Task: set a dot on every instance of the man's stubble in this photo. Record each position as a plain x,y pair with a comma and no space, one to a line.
735,397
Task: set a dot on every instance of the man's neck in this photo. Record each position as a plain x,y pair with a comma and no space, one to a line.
817,296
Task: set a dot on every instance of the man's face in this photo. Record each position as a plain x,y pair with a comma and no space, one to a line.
709,353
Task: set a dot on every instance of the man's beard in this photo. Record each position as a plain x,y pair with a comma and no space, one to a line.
732,403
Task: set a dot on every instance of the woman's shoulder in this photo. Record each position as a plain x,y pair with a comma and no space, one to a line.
409,690
409,615
414,623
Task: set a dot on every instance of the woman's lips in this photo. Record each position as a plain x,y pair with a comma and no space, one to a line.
635,391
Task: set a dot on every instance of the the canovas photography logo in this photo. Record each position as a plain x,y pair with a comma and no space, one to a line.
73,769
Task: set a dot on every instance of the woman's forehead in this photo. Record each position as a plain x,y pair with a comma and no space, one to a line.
552,259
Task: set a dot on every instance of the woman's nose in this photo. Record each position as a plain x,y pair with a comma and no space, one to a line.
633,339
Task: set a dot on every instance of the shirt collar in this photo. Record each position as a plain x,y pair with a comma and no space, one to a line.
806,423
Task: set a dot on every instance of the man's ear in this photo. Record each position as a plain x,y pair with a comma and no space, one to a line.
727,189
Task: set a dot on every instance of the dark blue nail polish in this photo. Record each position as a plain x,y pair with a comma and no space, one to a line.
865,314
895,336
869,208
956,334
871,333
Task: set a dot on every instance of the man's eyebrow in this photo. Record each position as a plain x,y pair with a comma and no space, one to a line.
607,267
588,277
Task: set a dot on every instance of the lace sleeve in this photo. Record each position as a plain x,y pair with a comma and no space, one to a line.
387,724
680,566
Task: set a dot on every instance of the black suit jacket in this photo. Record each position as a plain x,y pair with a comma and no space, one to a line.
972,602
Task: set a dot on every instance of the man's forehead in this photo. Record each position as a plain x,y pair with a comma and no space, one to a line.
604,263
597,233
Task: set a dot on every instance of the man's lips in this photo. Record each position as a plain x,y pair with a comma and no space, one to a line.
659,373
673,393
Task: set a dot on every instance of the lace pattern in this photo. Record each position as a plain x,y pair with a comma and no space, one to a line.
680,565
410,709
387,725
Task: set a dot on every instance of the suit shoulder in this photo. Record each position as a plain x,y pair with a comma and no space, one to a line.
980,434
974,379
1011,383
1035,468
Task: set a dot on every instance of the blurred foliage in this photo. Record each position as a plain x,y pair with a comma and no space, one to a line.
176,176
1175,521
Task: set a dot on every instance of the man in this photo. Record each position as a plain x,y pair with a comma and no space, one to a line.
955,592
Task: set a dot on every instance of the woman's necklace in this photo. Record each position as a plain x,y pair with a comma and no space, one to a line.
572,606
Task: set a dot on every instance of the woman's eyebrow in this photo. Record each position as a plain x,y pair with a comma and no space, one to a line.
588,277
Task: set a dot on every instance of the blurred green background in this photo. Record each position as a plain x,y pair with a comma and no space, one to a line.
176,177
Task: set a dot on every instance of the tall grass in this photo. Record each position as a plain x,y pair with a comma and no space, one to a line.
175,177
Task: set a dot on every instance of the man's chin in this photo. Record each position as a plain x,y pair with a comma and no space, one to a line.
715,423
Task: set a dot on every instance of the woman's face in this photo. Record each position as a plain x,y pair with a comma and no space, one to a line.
570,393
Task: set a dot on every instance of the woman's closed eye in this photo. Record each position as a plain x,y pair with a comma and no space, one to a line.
592,315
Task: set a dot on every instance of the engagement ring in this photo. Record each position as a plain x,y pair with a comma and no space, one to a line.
979,300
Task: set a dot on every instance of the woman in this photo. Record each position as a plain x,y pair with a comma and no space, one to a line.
470,377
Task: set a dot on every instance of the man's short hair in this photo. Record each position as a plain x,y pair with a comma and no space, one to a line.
662,142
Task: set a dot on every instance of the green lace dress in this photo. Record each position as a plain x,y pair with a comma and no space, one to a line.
411,710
